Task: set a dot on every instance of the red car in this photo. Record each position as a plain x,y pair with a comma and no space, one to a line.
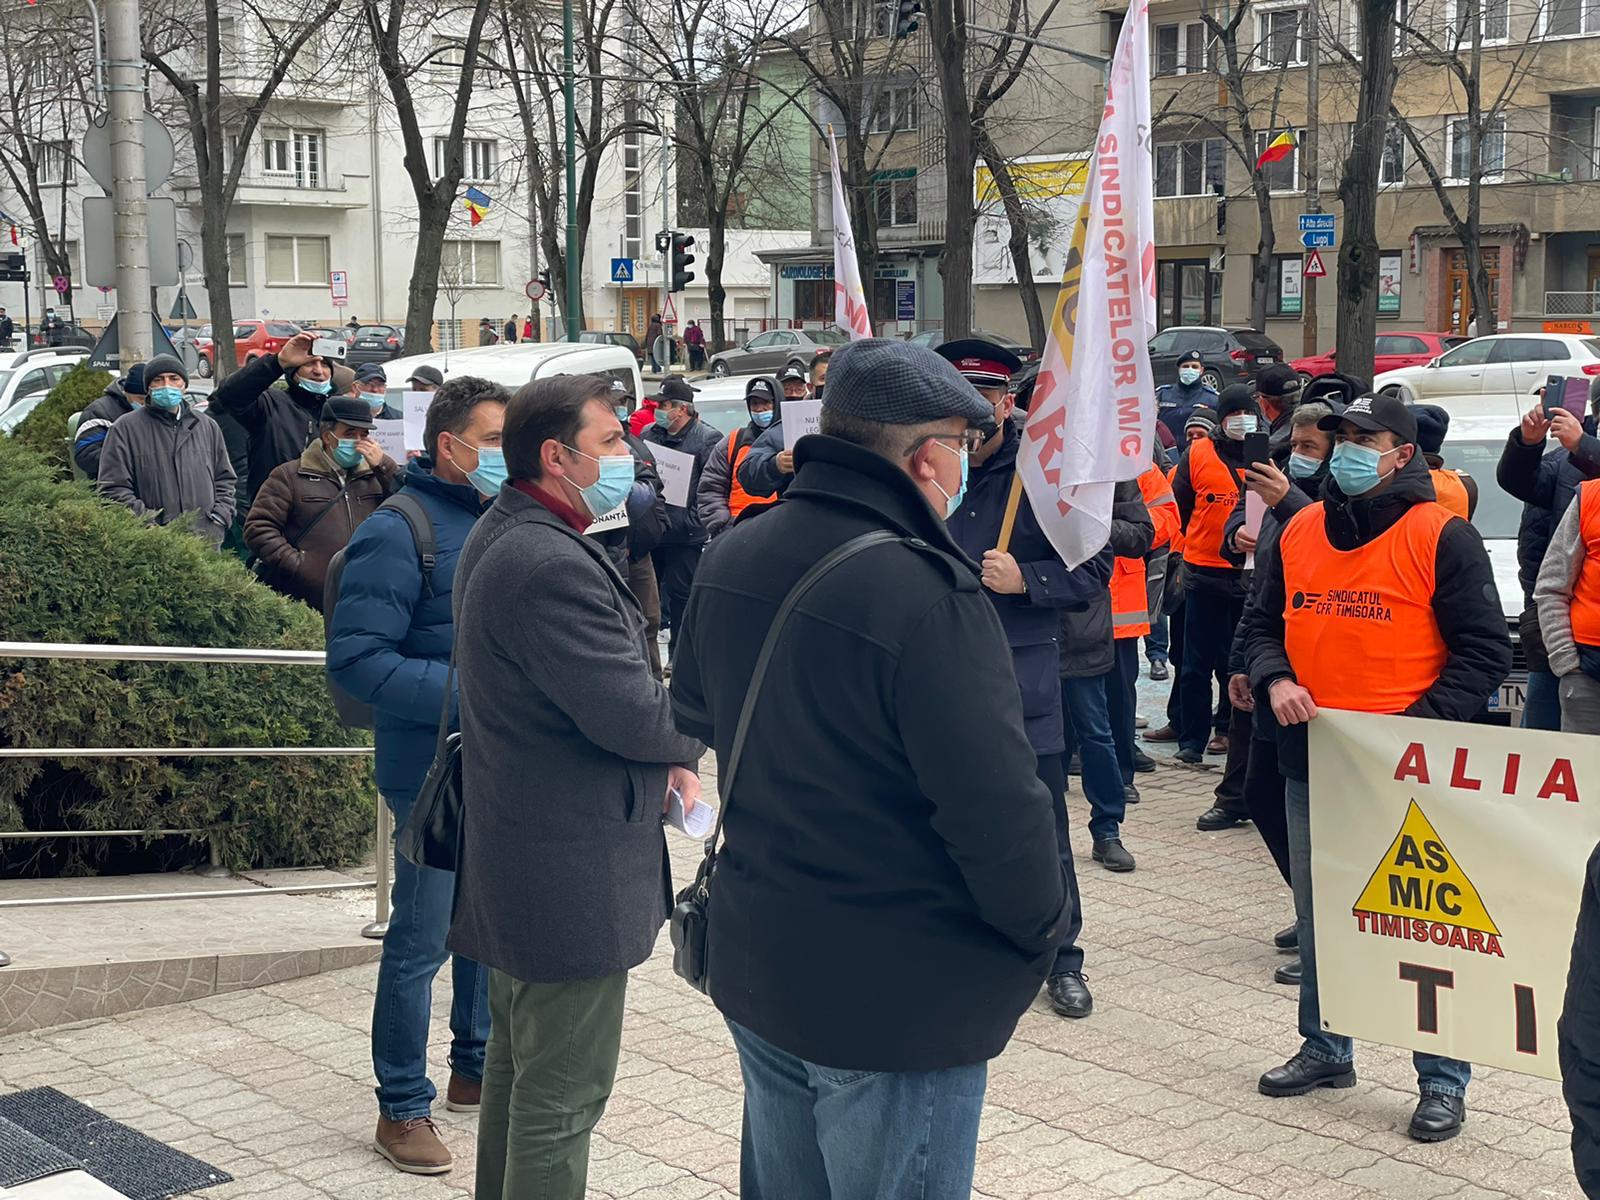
254,339
1394,350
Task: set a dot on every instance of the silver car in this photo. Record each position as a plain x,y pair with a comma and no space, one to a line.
772,351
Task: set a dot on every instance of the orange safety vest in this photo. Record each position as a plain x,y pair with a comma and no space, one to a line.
1130,606
1359,626
1176,547
1451,492
1586,588
1156,488
738,498
1216,491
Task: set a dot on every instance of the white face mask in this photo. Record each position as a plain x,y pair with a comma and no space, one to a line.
1239,424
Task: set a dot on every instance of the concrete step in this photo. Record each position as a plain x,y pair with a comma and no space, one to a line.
72,962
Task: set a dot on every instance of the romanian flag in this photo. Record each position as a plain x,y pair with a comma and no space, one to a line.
477,204
1279,148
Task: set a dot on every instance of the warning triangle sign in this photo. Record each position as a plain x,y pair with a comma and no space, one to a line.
1419,878
1315,268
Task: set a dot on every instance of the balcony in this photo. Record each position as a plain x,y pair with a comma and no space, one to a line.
274,189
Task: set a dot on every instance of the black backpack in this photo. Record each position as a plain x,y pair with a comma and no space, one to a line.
353,713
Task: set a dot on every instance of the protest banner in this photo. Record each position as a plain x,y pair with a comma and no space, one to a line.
676,469
1447,864
800,417
391,437
414,411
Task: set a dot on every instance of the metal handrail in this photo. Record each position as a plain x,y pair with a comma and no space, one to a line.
87,651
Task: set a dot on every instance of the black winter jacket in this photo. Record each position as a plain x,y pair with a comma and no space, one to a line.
1578,1035
1227,580
1545,477
1088,646
1465,604
94,424
702,442
887,823
280,422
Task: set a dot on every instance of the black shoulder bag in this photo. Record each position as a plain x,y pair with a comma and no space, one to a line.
431,836
690,916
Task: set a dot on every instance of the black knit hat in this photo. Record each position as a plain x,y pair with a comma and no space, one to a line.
1239,397
1432,424
165,364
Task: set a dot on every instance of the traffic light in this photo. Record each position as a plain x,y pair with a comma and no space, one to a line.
663,240
678,273
905,20
13,268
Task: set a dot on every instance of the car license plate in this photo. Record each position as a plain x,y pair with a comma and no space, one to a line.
1263,359
369,345
1510,699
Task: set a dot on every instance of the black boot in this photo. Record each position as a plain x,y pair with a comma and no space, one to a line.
1069,995
1288,974
1142,762
1216,817
1302,1074
1287,940
1438,1118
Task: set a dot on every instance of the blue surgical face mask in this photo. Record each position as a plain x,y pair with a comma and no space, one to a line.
953,502
663,417
317,387
346,454
1239,424
762,419
375,401
1188,375
613,485
490,473
622,411
1303,467
1355,468
166,397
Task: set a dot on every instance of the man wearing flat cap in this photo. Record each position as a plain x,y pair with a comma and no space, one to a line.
888,898
1429,641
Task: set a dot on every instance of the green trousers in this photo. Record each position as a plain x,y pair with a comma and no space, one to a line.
550,1065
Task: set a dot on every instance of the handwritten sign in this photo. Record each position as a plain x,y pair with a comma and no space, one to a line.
391,436
677,470
414,406
800,417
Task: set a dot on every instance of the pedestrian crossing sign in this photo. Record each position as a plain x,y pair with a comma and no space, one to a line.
622,270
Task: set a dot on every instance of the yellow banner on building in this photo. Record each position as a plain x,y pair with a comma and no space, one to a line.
1447,863
1039,178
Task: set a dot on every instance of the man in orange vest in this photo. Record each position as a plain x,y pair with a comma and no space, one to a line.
1206,486
1456,490
721,497
1567,596
1429,640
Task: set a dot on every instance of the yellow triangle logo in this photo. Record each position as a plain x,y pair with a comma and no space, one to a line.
1420,879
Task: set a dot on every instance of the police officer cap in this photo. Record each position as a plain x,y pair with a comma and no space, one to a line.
1372,413
348,410
984,363
1193,356
895,383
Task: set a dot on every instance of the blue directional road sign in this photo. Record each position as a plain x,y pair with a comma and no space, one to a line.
1318,222
1319,240
622,270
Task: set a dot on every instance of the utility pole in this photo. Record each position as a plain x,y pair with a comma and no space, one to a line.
130,212
574,267
1308,148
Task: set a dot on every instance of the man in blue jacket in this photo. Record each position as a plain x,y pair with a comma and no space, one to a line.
1029,586
389,645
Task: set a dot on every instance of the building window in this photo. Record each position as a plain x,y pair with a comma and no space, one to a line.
1194,168
446,56
1182,49
1283,175
1284,286
480,158
296,261
308,60
470,264
56,164
1279,40
238,273
897,109
1493,15
1392,167
1571,18
295,154
895,194
1492,153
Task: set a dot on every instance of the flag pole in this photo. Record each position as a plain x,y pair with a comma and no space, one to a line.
1009,521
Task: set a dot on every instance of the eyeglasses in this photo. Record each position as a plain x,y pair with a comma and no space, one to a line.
968,440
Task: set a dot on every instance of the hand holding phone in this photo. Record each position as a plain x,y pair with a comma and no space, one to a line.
326,348
1257,448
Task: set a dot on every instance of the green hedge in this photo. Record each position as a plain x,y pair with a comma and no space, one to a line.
76,569
44,430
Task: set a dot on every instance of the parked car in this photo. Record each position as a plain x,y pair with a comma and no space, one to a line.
774,350
72,334
1498,373
255,339
1231,355
609,337
374,344
934,338
1394,350
513,364
26,378
199,336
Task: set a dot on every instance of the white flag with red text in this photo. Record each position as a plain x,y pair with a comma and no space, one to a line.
1091,422
849,301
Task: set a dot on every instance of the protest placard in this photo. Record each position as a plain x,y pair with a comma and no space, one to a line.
1447,864
676,469
800,417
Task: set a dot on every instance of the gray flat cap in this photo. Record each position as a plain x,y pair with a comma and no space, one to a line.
896,383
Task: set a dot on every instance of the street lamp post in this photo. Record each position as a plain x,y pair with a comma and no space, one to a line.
574,273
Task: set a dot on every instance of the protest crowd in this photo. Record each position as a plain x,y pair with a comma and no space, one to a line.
898,674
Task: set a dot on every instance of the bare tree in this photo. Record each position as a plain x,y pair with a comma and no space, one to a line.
413,47
222,103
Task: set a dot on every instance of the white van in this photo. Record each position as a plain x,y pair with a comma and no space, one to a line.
514,364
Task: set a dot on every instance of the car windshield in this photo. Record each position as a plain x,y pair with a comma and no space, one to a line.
826,337
1498,515
723,415
381,331
277,329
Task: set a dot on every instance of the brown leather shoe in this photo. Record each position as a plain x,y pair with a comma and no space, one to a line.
412,1146
1218,744
1165,734
463,1094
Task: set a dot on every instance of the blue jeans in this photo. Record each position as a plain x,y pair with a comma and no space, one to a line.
1436,1076
826,1133
1088,720
1541,707
413,952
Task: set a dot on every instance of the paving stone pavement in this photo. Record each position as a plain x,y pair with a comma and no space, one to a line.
1152,1097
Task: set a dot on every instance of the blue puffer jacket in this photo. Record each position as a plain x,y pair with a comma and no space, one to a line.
389,644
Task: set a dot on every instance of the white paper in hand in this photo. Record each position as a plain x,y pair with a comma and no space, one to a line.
697,823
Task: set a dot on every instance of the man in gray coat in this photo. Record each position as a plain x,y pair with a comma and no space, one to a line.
569,755
168,461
